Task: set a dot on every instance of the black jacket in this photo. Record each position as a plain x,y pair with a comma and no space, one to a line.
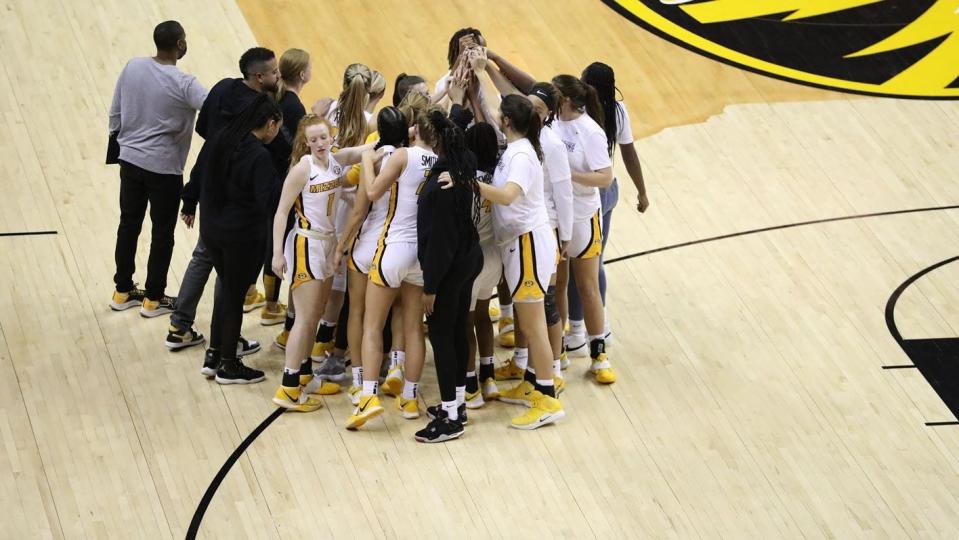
245,193
446,233
226,99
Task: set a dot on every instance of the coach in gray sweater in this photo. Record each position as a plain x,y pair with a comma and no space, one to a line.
152,115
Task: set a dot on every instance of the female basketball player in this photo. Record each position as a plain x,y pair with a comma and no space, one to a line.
306,259
396,270
377,91
406,84
618,131
451,258
528,248
237,177
579,126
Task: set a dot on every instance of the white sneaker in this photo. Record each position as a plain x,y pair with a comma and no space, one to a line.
576,345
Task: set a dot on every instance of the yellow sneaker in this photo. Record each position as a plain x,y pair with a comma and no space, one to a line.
545,410
294,399
280,341
409,408
494,312
270,317
602,369
253,300
506,336
368,407
509,371
564,360
314,386
125,300
393,384
354,393
521,394
559,384
320,350
474,400
490,390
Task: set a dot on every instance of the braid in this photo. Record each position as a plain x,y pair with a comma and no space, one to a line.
254,116
451,143
603,80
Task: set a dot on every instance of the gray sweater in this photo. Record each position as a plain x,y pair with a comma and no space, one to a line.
154,106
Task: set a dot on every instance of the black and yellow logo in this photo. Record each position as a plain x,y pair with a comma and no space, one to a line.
899,48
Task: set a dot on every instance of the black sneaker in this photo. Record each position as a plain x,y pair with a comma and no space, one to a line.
211,361
232,371
436,411
440,430
126,300
246,346
177,339
155,308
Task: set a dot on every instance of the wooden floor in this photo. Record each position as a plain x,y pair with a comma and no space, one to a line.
751,402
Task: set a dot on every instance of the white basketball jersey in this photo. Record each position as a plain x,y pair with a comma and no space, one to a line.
316,205
400,223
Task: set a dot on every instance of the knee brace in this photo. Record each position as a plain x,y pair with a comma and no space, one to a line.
549,304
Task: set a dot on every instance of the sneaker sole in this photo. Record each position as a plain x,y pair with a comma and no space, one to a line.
543,421
155,313
333,378
221,380
256,349
441,438
279,346
410,416
272,322
359,422
125,306
514,401
579,352
208,373
174,346
475,403
250,307
296,407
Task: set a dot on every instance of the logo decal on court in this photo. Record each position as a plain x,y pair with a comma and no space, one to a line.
900,48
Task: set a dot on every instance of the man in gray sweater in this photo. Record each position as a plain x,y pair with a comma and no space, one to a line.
153,111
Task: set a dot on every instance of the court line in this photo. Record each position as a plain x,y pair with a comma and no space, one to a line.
776,228
27,233
227,465
235,456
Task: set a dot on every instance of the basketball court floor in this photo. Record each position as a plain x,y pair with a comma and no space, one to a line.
785,335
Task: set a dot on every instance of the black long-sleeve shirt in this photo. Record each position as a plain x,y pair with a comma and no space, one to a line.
225,101
446,233
246,192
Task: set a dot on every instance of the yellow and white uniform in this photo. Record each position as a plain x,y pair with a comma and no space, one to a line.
367,238
586,148
557,185
527,244
395,259
492,270
309,246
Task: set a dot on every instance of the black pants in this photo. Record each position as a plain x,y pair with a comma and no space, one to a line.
449,323
237,265
137,188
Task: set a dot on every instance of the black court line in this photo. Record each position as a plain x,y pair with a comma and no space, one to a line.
934,358
218,479
776,228
904,366
27,233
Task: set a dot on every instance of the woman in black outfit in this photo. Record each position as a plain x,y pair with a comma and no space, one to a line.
450,256
238,177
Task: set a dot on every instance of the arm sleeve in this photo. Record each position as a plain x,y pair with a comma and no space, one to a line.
441,243
114,125
191,191
194,93
560,178
624,131
597,156
264,181
203,119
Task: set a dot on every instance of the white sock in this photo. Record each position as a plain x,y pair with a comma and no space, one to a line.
369,388
452,409
577,326
545,382
471,374
486,360
558,368
409,389
506,311
324,322
358,376
397,358
460,395
521,357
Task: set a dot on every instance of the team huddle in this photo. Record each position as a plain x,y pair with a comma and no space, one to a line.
379,218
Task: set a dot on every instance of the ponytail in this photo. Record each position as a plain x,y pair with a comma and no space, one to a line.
402,86
292,63
601,77
523,119
254,116
351,106
581,95
593,109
